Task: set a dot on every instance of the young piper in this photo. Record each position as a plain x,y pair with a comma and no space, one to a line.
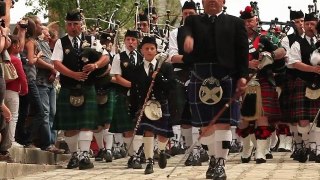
155,121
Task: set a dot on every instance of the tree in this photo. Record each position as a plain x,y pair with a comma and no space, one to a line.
94,8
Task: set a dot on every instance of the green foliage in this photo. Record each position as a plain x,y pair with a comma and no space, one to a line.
94,8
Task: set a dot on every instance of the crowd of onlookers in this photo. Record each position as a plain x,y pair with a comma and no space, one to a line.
32,95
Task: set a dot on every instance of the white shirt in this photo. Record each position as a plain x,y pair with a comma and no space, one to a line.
146,65
116,68
57,53
295,52
173,44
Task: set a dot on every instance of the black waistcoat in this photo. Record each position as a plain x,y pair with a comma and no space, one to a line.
73,62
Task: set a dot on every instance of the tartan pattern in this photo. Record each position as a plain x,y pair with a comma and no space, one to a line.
160,127
270,102
105,111
178,100
286,98
69,117
119,113
202,113
303,108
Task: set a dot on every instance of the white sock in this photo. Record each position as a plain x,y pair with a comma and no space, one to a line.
119,139
148,146
210,142
137,142
187,135
162,145
221,137
99,138
247,147
85,138
108,138
177,135
72,142
273,139
195,134
234,134
127,140
304,134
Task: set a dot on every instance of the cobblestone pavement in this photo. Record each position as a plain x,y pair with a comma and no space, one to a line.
281,167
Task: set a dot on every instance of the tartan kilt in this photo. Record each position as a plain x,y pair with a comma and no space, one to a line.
159,127
286,99
202,113
178,100
69,117
270,102
105,111
119,113
303,107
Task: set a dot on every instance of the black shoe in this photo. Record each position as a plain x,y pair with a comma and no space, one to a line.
162,162
142,157
85,162
235,147
312,155
123,152
269,156
210,171
74,161
302,155
149,167
116,154
294,155
317,160
155,154
136,164
282,150
260,161
204,157
108,155
189,160
130,162
174,151
100,156
219,173
196,160
245,160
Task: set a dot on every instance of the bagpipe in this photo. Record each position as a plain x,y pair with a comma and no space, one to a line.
92,51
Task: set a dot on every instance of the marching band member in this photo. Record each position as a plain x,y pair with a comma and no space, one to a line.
155,122
305,106
123,66
287,87
76,105
179,105
264,123
218,56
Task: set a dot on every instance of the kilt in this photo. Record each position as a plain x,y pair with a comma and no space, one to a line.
270,102
178,100
303,107
105,111
160,127
286,98
69,117
202,113
119,112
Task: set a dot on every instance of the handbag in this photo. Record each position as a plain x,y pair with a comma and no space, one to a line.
9,71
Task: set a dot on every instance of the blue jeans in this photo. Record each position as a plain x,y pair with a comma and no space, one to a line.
48,100
40,126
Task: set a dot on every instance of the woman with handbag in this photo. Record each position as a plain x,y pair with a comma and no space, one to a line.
15,88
